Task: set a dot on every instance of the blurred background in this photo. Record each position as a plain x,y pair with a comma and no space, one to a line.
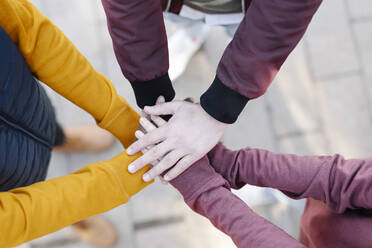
320,103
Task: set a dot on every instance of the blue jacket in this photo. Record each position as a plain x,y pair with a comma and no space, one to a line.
27,121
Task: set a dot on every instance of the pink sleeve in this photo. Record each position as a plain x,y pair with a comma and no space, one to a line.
269,32
138,33
140,44
341,184
207,193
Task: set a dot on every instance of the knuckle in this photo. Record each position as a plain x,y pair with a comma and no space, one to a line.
163,165
185,164
168,160
173,173
182,167
146,139
158,170
172,141
154,152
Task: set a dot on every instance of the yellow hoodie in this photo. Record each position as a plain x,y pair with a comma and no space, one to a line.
30,212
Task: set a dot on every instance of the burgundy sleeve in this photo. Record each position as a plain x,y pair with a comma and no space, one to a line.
207,193
268,33
140,44
341,184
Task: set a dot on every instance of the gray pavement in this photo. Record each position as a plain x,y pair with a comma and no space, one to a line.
320,103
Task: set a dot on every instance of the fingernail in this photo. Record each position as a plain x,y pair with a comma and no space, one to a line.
129,151
146,178
137,134
131,168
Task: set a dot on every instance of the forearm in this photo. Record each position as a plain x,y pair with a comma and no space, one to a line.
140,44
232,216
207,193
270,30
55,61
31,212
341,184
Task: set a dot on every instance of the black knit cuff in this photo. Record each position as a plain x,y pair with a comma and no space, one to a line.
223,103
147,92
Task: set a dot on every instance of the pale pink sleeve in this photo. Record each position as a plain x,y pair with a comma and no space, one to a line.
208,194
341,184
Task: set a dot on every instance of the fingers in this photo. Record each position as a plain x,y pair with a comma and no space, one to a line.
153,154
167,162
149,139
147,125
158,120
168,108
180,167
140,134
160,100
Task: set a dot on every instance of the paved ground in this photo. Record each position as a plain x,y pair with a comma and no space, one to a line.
320,103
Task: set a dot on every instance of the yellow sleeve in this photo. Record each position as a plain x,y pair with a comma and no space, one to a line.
54,60
31,212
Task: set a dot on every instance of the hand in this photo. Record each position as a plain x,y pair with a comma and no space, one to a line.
184,139
196,178
148,127
141,132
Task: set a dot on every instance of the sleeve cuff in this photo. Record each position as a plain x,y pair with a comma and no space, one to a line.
223,103
147,92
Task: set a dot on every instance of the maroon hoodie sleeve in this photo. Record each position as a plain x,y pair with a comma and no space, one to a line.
341,184
207,193
140,44
268,33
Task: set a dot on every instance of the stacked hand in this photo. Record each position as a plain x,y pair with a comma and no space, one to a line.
184,139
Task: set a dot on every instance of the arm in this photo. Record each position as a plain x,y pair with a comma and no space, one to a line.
206,193
31,212
269,32
341,184
55,61
140,44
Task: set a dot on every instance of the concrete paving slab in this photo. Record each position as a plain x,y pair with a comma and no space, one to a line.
347,121
329,41
313,143
291,97
360,9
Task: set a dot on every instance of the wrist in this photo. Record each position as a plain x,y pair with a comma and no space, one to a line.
222,103
147,92
199,178
121,121
225,162
131,183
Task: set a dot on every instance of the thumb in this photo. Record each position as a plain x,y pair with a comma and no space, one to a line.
160,100
168,108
